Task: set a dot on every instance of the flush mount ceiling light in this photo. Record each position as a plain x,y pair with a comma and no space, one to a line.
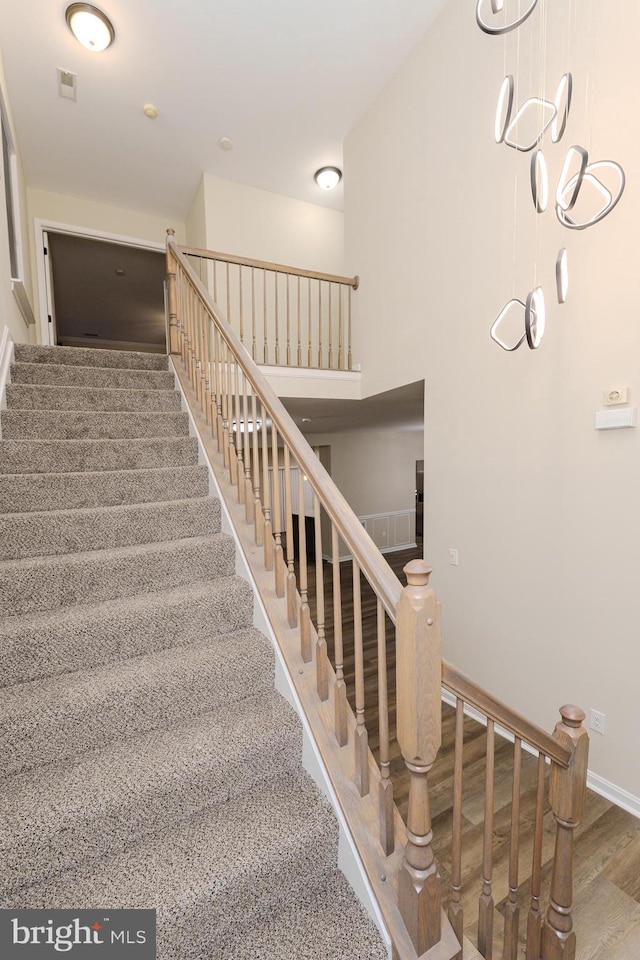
90,26
328,177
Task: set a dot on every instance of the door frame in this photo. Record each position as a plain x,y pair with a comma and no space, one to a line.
45,225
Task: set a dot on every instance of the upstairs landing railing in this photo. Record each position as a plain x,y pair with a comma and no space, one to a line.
283,316
428,909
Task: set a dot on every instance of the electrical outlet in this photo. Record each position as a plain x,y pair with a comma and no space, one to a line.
597,721
453,557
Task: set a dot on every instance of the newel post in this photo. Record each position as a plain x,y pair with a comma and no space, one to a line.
567,789
418,681
172,300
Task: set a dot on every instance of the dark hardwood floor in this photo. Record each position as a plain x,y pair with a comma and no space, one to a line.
607,842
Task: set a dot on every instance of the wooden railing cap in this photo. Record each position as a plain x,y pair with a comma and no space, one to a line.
573,716
418,573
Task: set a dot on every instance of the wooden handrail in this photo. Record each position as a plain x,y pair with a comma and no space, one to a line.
369,559
377,571
492,708
353,282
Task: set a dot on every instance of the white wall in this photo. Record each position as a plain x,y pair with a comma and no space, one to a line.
544,607
253,223
10,314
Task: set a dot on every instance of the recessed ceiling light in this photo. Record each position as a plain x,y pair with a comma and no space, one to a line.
306,419
328,177
225,143
119,272
150,110
90,26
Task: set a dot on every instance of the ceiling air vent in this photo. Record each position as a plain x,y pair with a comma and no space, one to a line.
67,84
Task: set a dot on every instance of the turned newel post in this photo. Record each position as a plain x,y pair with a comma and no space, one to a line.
567,787
172,300
418,681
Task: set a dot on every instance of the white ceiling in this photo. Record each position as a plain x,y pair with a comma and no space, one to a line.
286,80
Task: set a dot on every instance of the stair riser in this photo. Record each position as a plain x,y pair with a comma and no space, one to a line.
61,375
27,493
86,357
42,646
62,456
48,425
36,397
180,773
54,723
46,583
64,532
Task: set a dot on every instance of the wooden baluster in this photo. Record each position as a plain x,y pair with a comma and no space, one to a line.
309,326
188,335
305,613
278,558
322,673
267,493
276,322
292,593
386,785
249,427
320,324
456,915
512,910
217,366
288,325
241,303
258,518
485,906
206,367
173,345
340,330
253,313
202,369
361,742
349,355
232,369
534,920
330,356
567,789
239,434
209,385
224,379
215,282
182,319
299,354
265,349
228,296
418,673
340,688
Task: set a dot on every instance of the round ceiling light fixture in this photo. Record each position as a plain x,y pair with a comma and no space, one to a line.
328,177
90,26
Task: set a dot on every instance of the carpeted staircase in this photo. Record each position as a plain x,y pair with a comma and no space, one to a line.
145,757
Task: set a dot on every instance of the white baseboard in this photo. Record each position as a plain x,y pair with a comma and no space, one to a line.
6,358
610,791
348,857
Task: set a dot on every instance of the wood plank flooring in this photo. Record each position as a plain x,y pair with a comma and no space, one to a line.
607,842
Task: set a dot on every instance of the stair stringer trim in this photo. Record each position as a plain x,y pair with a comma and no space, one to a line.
6,359
349,861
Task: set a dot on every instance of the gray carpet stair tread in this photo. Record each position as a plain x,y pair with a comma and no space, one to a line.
101,802
324,921
53,456
64,375
101,528
40,645
43,583
46,721
31,396
225,867
33,492
89,357
78,425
